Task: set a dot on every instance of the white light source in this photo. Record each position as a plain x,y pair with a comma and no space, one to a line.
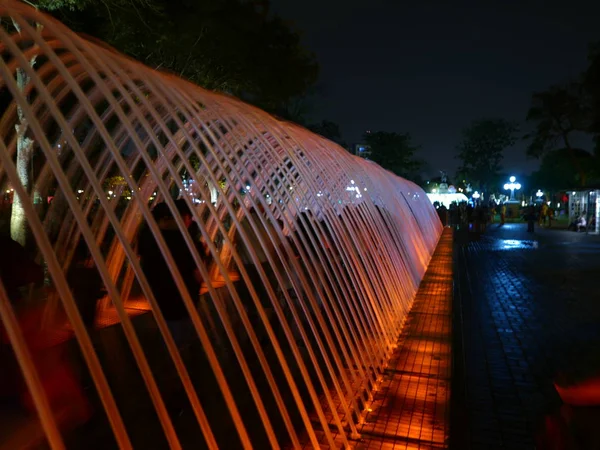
512,186
476,195
110,192
539,193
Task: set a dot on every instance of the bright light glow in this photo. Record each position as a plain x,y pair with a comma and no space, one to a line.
447,199
512,179
573,192
434,190
8,191
476,195
548,203
80,191
558,205
523,203
539,193
247,187
110,192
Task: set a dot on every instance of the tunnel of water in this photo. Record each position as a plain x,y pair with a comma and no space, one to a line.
307,258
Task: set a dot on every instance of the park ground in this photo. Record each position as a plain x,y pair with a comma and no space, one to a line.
526,313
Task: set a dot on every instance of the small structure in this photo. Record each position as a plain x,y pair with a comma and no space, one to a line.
446,195
585,201
447,198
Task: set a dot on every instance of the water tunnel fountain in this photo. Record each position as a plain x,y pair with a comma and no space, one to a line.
308,258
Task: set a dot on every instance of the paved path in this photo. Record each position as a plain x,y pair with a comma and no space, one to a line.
530,306
411,407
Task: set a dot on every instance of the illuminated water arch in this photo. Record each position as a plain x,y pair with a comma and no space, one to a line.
303,336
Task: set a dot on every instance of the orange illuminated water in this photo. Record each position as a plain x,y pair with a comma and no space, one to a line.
304,298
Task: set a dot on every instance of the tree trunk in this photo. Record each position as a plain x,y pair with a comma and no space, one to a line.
18,219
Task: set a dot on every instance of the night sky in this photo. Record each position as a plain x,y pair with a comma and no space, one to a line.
430,67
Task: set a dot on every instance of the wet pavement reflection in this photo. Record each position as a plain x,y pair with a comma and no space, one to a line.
531,316
514,244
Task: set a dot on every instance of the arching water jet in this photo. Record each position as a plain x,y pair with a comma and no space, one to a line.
309,258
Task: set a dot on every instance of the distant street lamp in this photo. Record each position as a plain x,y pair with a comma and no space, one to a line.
512,186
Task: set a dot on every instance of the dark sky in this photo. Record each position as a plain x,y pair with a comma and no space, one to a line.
430,67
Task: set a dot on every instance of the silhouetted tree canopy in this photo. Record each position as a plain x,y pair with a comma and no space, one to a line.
482,150
562,111
557,113
232,46
52,5
560,169
394,152
329,130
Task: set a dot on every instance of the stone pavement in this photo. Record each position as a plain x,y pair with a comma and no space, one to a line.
411,407
527,308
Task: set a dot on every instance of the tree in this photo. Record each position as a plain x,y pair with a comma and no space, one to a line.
232,46
482,150
558,170
591,84
394,152
25,145
557,113
329,130
564,110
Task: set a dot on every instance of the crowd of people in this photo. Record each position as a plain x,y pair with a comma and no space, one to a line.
478,216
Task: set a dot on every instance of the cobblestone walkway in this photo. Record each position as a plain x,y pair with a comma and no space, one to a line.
530,307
